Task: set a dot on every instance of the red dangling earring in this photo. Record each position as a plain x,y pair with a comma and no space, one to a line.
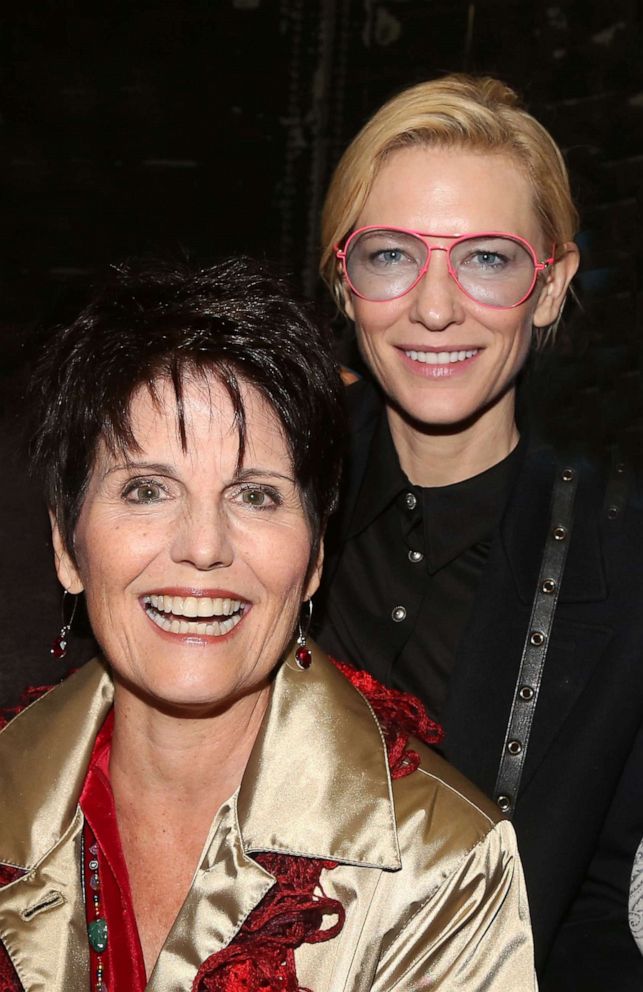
59,645
303,655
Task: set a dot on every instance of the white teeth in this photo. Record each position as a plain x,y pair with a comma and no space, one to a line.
194,627
190,606
175,614
440,357
194,606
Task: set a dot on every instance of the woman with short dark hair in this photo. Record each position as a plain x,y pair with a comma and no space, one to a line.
212,804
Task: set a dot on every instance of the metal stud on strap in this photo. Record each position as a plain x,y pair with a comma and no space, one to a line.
534,652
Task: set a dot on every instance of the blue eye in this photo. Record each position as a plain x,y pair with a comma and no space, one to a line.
489,259
388,256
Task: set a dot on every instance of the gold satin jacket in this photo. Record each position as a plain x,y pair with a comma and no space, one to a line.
430,880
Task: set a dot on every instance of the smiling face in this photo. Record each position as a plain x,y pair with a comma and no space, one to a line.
194,569
439,356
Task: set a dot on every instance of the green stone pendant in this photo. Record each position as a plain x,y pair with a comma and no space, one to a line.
97,933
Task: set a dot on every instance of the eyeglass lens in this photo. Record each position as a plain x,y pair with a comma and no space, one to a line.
384,264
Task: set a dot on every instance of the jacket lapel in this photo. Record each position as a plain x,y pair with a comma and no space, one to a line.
227,886
42,921
44,754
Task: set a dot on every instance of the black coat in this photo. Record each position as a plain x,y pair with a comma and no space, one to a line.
579,816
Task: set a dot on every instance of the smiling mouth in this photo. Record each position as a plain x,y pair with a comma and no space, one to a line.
441,357
200,615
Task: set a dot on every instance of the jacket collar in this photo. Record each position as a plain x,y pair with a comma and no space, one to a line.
44,755
317,729
320,730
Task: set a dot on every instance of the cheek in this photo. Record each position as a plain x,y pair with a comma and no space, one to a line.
110,556
372,320
514,327
281,564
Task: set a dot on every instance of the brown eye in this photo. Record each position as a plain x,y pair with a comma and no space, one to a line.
143,492
254,497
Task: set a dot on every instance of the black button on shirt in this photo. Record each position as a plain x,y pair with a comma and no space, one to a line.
409,570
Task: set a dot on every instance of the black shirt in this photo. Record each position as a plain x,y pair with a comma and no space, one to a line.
409,570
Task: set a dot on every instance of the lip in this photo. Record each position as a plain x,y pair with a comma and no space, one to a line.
197,592
194,638
450,370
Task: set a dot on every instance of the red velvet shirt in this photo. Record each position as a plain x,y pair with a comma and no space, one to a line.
124,967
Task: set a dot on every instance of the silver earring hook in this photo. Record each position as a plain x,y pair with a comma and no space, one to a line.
303,625
303,655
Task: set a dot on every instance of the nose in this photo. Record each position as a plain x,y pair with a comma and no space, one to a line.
436,300
203,539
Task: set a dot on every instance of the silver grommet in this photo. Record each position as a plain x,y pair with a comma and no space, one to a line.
398,613
620,468
536,638
415,556
514,747
549,586
411,501
559,533
503,803
612,512
526,692
567,474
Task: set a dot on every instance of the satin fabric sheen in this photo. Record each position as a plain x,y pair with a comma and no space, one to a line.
430,881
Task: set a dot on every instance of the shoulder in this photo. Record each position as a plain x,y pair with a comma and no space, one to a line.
440,812
435,808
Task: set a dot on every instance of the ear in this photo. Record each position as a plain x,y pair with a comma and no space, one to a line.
347,301
554,290
342,293
315,574
65,567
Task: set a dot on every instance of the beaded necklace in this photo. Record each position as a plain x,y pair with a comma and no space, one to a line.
96,922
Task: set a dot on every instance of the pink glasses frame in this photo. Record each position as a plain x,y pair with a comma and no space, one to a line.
456,240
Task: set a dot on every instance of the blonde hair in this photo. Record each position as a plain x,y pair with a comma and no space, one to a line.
478,113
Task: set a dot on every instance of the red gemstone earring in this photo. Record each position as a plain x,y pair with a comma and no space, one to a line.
303,655
59,645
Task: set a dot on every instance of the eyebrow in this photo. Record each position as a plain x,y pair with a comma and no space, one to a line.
254,470
160,468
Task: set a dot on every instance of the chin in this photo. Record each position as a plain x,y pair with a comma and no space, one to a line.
444,416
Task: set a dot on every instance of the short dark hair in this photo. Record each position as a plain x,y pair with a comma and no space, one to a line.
157,320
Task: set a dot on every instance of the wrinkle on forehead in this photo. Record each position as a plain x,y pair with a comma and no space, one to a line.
221,395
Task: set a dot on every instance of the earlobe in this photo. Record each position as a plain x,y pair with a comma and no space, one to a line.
553,292
343,294
65,567
349,310
315,574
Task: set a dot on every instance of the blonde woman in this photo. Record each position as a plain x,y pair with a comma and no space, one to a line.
471,564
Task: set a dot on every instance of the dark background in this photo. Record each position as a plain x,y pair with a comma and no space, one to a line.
204,128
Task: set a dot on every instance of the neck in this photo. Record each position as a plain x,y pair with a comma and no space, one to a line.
158,754
439,456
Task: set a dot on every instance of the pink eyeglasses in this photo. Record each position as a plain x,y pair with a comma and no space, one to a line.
494,268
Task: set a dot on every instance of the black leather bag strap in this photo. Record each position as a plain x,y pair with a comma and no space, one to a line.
534,652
